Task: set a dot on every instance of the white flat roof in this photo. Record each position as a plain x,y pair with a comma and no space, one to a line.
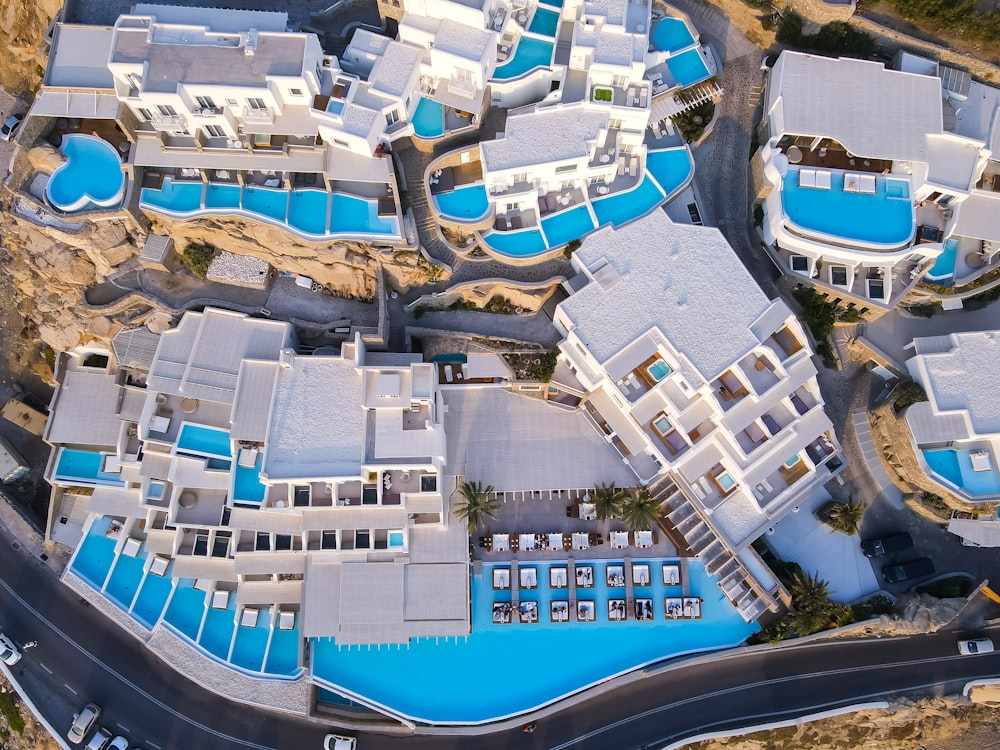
546,136
951,160
872,111
463,40
964,379
317,421
218,19
85,412
80,58
395,68
979,216
683,279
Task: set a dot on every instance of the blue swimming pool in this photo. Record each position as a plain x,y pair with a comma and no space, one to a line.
123,583
428,119
246,483
152,598
186,609
387,675
955,468
622,208
672,35
269,202
350,215
465,203
688,68
876,219
395,539
174,196
206,441
217,630
523,243
671,168
220,196
95,554
90,178
545,22
307,210
84,467
944,267
567,225
283,652
658,370
531,53
250,644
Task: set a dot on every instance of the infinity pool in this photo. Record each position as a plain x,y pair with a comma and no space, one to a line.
534,663
567,225
531,53
85,467
428,119
545,22
246,483
90,178
670,168
672,35
207,441
465,203
876,219
688,68
955,468
944,267
622,208
521,244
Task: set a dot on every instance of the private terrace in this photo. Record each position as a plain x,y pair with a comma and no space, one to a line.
827,153
759,372
784,343
729,389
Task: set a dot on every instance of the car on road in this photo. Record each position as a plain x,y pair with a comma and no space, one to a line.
10,127
339,742
100,740
975,646
887,545
83,722
118,743
8,651
922,566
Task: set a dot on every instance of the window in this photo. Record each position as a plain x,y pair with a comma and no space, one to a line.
838,275
231,102
216,131
205,102
263,541
391,117
255,103
166,110
800,263
621,81
520,177
295,92
566,168
144,114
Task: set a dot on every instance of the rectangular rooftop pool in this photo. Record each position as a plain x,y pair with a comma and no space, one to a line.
207,441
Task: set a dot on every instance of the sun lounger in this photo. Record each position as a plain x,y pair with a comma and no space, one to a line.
557,578
527,542
585,577
640,575
555,541
671,575
644,539
692,607
501,542
220,599
852,182
529,578
867,184
585,611
823,179
501,578
286,619
807,178
580,540
559,611
159,565
249,617
131,547
619,539
616,610
672,608
449,374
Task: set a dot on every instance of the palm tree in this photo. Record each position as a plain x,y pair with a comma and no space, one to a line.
845,517
640,510
813,609
608,501
479,505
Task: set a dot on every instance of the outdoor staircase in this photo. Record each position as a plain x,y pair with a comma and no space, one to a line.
671,104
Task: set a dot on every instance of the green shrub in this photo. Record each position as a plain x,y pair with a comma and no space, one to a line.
925,309
954,587
571,247
548,365
836,38
692,123
10,709
198,258
961,16
877,605
790,29
817,313
849,314
908,393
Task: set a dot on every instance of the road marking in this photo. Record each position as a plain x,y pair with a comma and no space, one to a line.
125,681
153,745
121,726
44,667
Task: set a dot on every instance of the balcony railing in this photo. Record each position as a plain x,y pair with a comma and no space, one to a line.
258,115
167,122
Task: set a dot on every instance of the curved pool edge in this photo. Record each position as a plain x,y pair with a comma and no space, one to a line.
84,200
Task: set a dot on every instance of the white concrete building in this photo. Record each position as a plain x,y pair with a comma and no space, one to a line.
956,432
705,387
868,175
304,490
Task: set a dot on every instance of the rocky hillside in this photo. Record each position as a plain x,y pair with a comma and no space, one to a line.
18,728
22,27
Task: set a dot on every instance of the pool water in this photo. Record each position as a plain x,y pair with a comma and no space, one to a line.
84,467
268,202
944,267
358,216
207,441
220,196
217,630
428,119
875,219
658,370
523,243
247,487
308,209
152,598
955,468
560,658
395,539
186,609
90,178
672,35
123,584
622,208
688,68
468,202
95,554
545,22
531,53
174,196
250,644
283,652
670,168
567,225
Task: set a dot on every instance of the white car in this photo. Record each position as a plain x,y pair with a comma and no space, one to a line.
339,742
975,646
10,127
118,743
100,739
82,723
8,651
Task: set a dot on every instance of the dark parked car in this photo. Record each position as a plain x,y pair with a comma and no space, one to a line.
922,566
886,545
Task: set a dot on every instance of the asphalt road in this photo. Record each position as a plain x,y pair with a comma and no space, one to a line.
83,657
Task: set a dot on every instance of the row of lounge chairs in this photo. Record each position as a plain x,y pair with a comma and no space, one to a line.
559,576
558,541
619,610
